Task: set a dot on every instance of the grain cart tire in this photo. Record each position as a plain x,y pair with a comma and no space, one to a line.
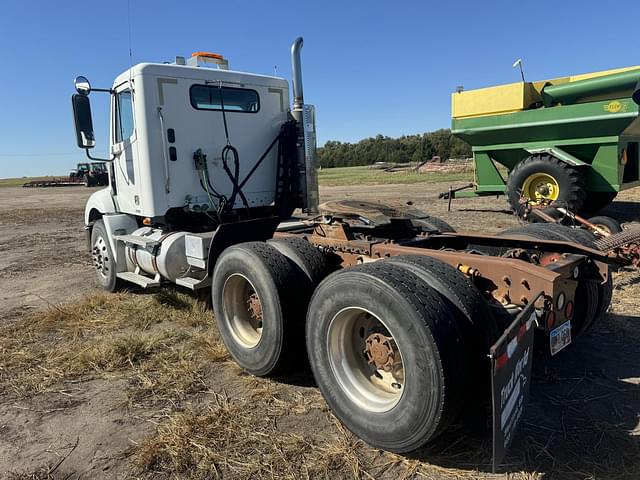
432,223
103,259
259,304
610,225
596,201
387,355
308,259
544,176
588,296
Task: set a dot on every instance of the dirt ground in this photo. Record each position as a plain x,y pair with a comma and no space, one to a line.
73,407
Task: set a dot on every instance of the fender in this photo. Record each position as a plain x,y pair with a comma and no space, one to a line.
227,234
99,204
559,154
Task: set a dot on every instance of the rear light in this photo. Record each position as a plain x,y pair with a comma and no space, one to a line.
560,301
551,320
568,311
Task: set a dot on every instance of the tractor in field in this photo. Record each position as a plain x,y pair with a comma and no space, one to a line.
92,174
405,322
572,140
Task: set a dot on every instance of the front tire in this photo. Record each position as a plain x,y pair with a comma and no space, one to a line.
103,259
387,355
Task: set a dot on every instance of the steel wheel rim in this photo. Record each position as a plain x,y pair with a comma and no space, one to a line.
243,310
540,186
604,227
100,256
371,388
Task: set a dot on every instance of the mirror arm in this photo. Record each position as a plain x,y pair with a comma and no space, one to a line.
108,90
113,157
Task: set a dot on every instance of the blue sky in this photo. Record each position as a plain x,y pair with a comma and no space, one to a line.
369,67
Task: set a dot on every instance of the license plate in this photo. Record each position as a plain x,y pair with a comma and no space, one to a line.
560,337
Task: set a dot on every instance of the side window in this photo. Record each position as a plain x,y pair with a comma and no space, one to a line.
124,116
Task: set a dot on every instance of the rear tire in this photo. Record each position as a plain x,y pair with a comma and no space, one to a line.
567,180
351,306
458,291
308,259
259,304
479,329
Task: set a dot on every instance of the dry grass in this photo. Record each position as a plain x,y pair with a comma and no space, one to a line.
241,438
161,343
215,421
167,349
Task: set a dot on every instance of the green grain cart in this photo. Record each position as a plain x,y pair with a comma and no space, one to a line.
574,140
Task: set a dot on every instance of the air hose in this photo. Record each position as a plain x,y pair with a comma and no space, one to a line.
229,148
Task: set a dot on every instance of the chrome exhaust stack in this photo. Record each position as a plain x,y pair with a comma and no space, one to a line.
296,80
306,118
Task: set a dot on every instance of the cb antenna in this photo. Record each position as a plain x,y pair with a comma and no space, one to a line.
129,28
518,63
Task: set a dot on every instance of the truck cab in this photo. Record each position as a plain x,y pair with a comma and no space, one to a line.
193,146
162,114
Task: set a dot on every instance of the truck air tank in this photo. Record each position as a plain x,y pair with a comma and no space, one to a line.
168,258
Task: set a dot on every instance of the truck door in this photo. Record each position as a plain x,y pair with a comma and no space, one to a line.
124,149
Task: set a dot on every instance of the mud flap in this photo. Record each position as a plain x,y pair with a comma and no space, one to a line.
511,358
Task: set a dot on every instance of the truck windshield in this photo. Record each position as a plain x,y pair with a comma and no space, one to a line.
207,97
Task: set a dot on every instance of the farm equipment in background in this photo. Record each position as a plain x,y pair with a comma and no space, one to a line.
92,174
573,139
402,317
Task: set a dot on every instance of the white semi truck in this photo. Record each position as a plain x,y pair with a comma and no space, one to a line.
401,317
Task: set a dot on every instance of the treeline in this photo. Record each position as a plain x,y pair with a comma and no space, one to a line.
408,148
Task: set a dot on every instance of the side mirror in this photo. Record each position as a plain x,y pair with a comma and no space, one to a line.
83,121
636,94
83,87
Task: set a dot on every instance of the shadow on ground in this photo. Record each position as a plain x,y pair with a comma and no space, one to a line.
623,211
582,420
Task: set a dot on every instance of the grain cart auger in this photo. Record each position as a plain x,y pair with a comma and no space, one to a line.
574,139
398,313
